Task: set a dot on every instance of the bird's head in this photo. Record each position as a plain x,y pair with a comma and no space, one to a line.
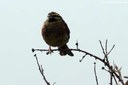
53,16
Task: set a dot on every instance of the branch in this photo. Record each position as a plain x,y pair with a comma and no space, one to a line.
111,50
78,50
41,70
95,73
113,73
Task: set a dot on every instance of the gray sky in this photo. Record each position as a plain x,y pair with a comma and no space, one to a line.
89,21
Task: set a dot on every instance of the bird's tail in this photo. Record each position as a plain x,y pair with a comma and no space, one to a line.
65,50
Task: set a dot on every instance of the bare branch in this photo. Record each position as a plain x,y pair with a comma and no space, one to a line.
111,76
106,47
95,73
82,58
115,80
54,83
111,50
126,77
102,47
114,73
41,70
41,50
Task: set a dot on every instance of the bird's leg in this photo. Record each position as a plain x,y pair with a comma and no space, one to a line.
49,50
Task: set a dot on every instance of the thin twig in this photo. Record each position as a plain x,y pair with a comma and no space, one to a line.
106,47
95,73
111,50
104,52
111,70
115,80
41,70
126,77
54,83
82,58
111,76
102,47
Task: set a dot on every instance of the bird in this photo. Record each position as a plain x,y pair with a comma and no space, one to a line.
56,33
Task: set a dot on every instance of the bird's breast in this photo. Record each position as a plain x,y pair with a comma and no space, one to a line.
55,36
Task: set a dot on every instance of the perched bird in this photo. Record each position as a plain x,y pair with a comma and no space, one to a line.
56,33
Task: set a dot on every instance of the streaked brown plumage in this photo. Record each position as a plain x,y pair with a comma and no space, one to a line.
56,33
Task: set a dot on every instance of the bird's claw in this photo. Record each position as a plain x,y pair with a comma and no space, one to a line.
50,51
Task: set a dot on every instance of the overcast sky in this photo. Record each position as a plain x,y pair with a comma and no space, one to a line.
88,20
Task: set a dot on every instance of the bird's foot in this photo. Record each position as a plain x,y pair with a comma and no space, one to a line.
50,51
